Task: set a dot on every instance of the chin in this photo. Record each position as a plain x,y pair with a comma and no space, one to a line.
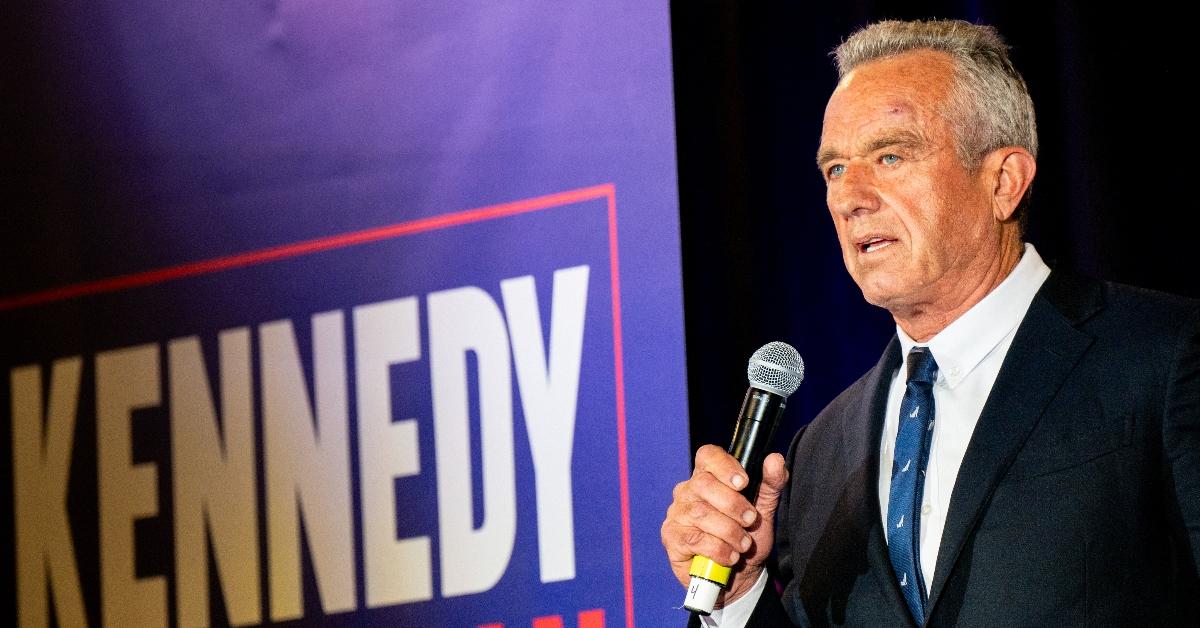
876,300
885,296
873,295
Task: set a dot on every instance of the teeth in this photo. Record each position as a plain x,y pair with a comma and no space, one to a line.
875,245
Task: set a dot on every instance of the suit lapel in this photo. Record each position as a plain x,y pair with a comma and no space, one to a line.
1043,352
861,435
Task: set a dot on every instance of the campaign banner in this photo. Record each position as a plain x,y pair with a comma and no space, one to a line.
376,320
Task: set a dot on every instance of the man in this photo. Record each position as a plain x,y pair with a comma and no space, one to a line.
1027,450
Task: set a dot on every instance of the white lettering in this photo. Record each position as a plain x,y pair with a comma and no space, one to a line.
307,466
396,571
126,380
463,320
306,461
549,389
214,480
41,466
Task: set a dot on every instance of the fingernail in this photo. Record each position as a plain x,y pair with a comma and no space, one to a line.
748,517
733,558
738,481
745,543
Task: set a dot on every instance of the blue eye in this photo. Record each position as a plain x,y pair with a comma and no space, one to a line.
836,170
890,160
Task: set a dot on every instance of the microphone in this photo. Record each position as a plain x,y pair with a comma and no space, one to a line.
775,372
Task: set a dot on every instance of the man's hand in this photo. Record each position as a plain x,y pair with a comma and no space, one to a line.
709,517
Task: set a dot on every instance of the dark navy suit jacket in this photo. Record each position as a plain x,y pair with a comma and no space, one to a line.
1078,499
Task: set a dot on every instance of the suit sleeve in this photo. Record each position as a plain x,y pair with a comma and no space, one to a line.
1181,436
769,613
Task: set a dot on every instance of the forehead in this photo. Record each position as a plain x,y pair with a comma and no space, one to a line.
904,90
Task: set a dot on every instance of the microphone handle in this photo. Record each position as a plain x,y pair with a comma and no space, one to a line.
751,441
752,436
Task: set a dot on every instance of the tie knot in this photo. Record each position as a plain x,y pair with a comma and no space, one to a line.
921,366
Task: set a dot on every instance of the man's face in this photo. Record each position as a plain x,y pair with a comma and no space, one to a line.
915,226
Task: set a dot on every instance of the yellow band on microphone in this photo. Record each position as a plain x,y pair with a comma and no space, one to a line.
703,567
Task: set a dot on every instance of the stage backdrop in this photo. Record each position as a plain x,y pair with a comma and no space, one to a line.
340,313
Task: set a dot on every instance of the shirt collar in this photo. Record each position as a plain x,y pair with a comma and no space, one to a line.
965,342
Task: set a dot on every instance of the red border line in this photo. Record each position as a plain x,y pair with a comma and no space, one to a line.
306,247
262,256
619,370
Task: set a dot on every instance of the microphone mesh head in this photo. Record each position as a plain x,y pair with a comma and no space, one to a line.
776,367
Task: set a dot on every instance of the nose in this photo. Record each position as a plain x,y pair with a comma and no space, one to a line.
854,192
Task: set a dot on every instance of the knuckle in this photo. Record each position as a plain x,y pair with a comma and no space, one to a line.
693,538
675,539
701,481
710,456
715,549
677,512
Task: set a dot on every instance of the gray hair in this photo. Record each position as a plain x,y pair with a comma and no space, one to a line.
989,103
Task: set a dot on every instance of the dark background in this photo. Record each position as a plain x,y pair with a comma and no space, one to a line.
760,259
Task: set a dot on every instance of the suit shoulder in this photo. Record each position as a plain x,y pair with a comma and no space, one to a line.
1140,330
1098,303
1140,317
1160,306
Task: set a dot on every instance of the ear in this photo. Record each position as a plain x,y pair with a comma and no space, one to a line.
1011,171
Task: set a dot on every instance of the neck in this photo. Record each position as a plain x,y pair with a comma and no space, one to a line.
925,321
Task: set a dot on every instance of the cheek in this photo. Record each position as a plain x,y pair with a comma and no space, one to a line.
839,227
965,215
915,214
951,211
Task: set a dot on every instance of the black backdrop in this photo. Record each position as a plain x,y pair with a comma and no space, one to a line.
1114,187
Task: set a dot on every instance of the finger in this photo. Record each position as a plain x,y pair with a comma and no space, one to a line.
705,487
775,472
704,517
775,478
684,542
723,466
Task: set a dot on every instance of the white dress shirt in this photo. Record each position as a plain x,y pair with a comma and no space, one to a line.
969,352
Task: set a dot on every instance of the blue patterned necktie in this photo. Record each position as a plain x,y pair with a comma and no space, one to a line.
908,479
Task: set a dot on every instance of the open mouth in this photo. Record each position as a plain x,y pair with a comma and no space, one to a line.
874,244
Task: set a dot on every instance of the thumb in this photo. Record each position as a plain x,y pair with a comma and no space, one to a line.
774,479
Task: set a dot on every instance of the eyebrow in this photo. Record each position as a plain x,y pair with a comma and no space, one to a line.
903,139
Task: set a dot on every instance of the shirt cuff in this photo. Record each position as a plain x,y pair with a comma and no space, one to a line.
737,613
